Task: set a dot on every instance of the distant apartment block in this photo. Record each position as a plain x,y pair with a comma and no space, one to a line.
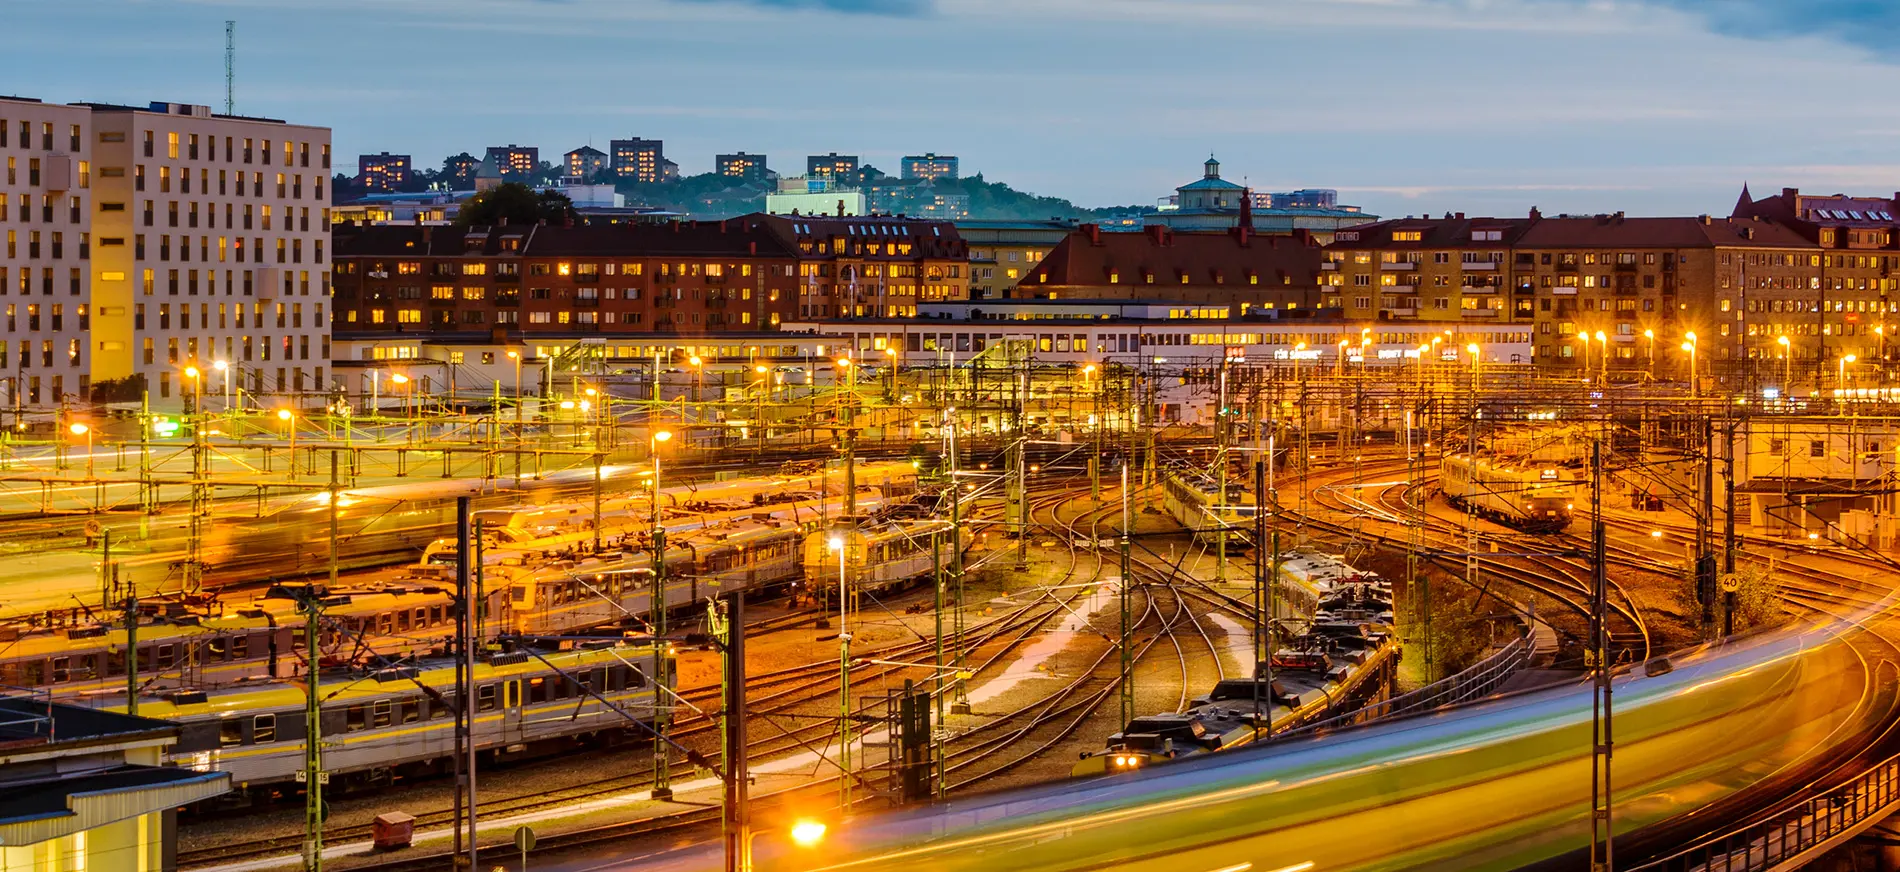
515,160
931,166
843,167
1309,198
461,170
383,171
583,163
639,160
142,240
740,165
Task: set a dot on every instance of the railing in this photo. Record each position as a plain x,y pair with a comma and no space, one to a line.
1475,681
27,720
1795,834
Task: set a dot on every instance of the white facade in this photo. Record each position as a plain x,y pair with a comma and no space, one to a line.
827,203
175,238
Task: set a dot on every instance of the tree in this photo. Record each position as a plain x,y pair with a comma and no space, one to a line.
517,203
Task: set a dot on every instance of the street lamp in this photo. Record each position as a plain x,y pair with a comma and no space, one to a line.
1651,336
1603,342
79,429
516,357
290,431
398,379
1695,385
225,368
1787,366
836,542
1843,377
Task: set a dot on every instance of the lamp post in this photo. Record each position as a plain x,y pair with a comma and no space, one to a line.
1603,345
1584,337
223,367
837,543
765,386
1093,387
697,372
1651,336
398,379
1787,366
290,432
515,356
79,429
1690,346
662,763
1842,381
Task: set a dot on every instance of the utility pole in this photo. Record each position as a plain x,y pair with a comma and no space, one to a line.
1602,856
1020,474
1261,617
662,756
1728,532
1705,519
1127,589
132,649
313,774
960,705
738,812
937,580
1221,510
465,748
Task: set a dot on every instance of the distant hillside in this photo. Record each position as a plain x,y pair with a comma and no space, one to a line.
997,201
714,196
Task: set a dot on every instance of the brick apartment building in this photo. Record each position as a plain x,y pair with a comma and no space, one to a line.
745,274
1739,283
1238,268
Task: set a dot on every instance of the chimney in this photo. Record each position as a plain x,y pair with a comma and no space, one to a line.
1619,217
1461,216
841,208
1705,220
428,233
1536,215
1094,232
1245,227
501,221
1791,193
752,248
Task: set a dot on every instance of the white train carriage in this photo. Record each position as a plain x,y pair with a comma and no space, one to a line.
887,557
567,595
1195,500
401,722
1535,499
180,645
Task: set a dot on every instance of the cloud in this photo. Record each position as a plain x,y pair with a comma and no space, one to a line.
1870,24
894,8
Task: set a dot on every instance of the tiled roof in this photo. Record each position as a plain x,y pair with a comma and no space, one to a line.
1616,231
1090,256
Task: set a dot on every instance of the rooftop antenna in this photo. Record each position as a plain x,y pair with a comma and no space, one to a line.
230,67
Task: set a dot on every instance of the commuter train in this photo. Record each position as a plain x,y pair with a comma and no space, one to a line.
1537,499
539,565
399,722
1487,786
882,558
1197,501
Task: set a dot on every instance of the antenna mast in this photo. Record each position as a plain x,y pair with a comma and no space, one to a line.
230,67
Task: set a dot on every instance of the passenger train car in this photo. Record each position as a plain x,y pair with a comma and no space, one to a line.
882,558
1196,500
1535,499
400,722
541,578
179,645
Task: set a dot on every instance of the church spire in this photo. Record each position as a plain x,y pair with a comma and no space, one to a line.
1746,205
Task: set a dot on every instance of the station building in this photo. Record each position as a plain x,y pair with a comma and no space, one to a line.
82,789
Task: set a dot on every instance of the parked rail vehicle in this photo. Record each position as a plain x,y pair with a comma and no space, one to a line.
1194,499
1347,654
1535,499
885,557
1317,677
547,584
197,644
524,525
399,722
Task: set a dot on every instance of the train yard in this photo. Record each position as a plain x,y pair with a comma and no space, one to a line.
950,619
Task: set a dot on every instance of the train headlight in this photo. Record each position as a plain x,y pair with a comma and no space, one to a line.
808,833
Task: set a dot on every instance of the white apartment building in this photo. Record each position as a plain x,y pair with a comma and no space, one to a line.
141,241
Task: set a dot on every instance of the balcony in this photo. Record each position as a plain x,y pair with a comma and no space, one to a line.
1489,314
1626,267
1402,313
508,278
1329,266
508,299
1401,265
1480,265
587,302
1566,267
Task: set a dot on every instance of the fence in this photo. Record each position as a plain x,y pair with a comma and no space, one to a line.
1478,680
1793,835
